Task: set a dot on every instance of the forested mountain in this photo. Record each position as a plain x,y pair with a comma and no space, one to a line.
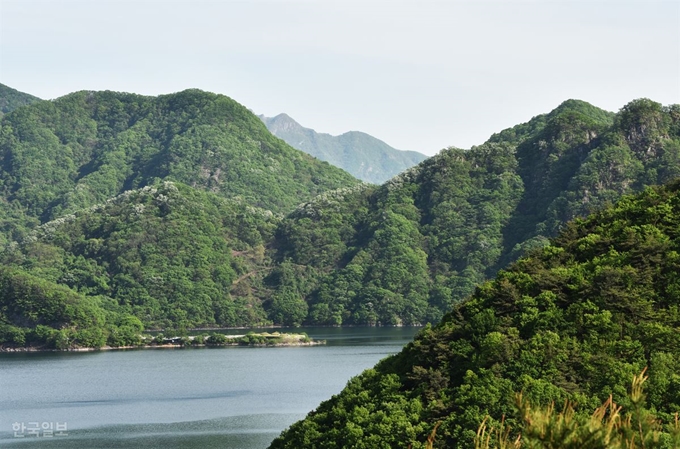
575,320
59,156
98,231
406,251
160,209
170,255
360,154
10,99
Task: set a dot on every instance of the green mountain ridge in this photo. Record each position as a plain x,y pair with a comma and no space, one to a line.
575,320
360,154
90,201
10,99
402,253
121,213
63,155
169,255
407,251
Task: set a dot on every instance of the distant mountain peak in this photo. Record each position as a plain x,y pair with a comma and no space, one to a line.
284,116
281,123
361,154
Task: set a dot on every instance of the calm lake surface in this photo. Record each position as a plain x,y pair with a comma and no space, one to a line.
236,397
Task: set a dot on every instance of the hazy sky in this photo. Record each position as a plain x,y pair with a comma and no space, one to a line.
419,75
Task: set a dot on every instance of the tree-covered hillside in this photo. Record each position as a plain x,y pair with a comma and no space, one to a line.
576,320
60,156
407,251
169,255
118,207
10,99
360,154
401,253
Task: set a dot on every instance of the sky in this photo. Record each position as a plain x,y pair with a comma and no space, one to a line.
420,76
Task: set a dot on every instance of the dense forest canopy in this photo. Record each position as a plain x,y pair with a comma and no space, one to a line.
60,156
10,99
575,320
97,225
168,255
183,211
407,251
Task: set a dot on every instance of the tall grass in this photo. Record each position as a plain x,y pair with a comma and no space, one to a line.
607,428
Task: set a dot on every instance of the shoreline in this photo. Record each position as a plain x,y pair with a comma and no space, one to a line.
315,326
277,340
122,348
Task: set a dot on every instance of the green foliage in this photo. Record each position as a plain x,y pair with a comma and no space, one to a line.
407,251
79,150
356,422
10,99
252,338
159,339
37,312
216,339
163,252
287,308
574,321
607,428
103,173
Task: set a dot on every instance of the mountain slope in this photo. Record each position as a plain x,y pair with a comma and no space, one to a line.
97,232
360,154
79,150
408,250
169,255
401,253
10,99
575,320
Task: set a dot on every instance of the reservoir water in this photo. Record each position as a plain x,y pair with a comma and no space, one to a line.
234,397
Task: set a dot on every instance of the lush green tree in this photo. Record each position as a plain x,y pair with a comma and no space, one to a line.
407,251
10,99
101,171
79,150
166,256
609,427
574,321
